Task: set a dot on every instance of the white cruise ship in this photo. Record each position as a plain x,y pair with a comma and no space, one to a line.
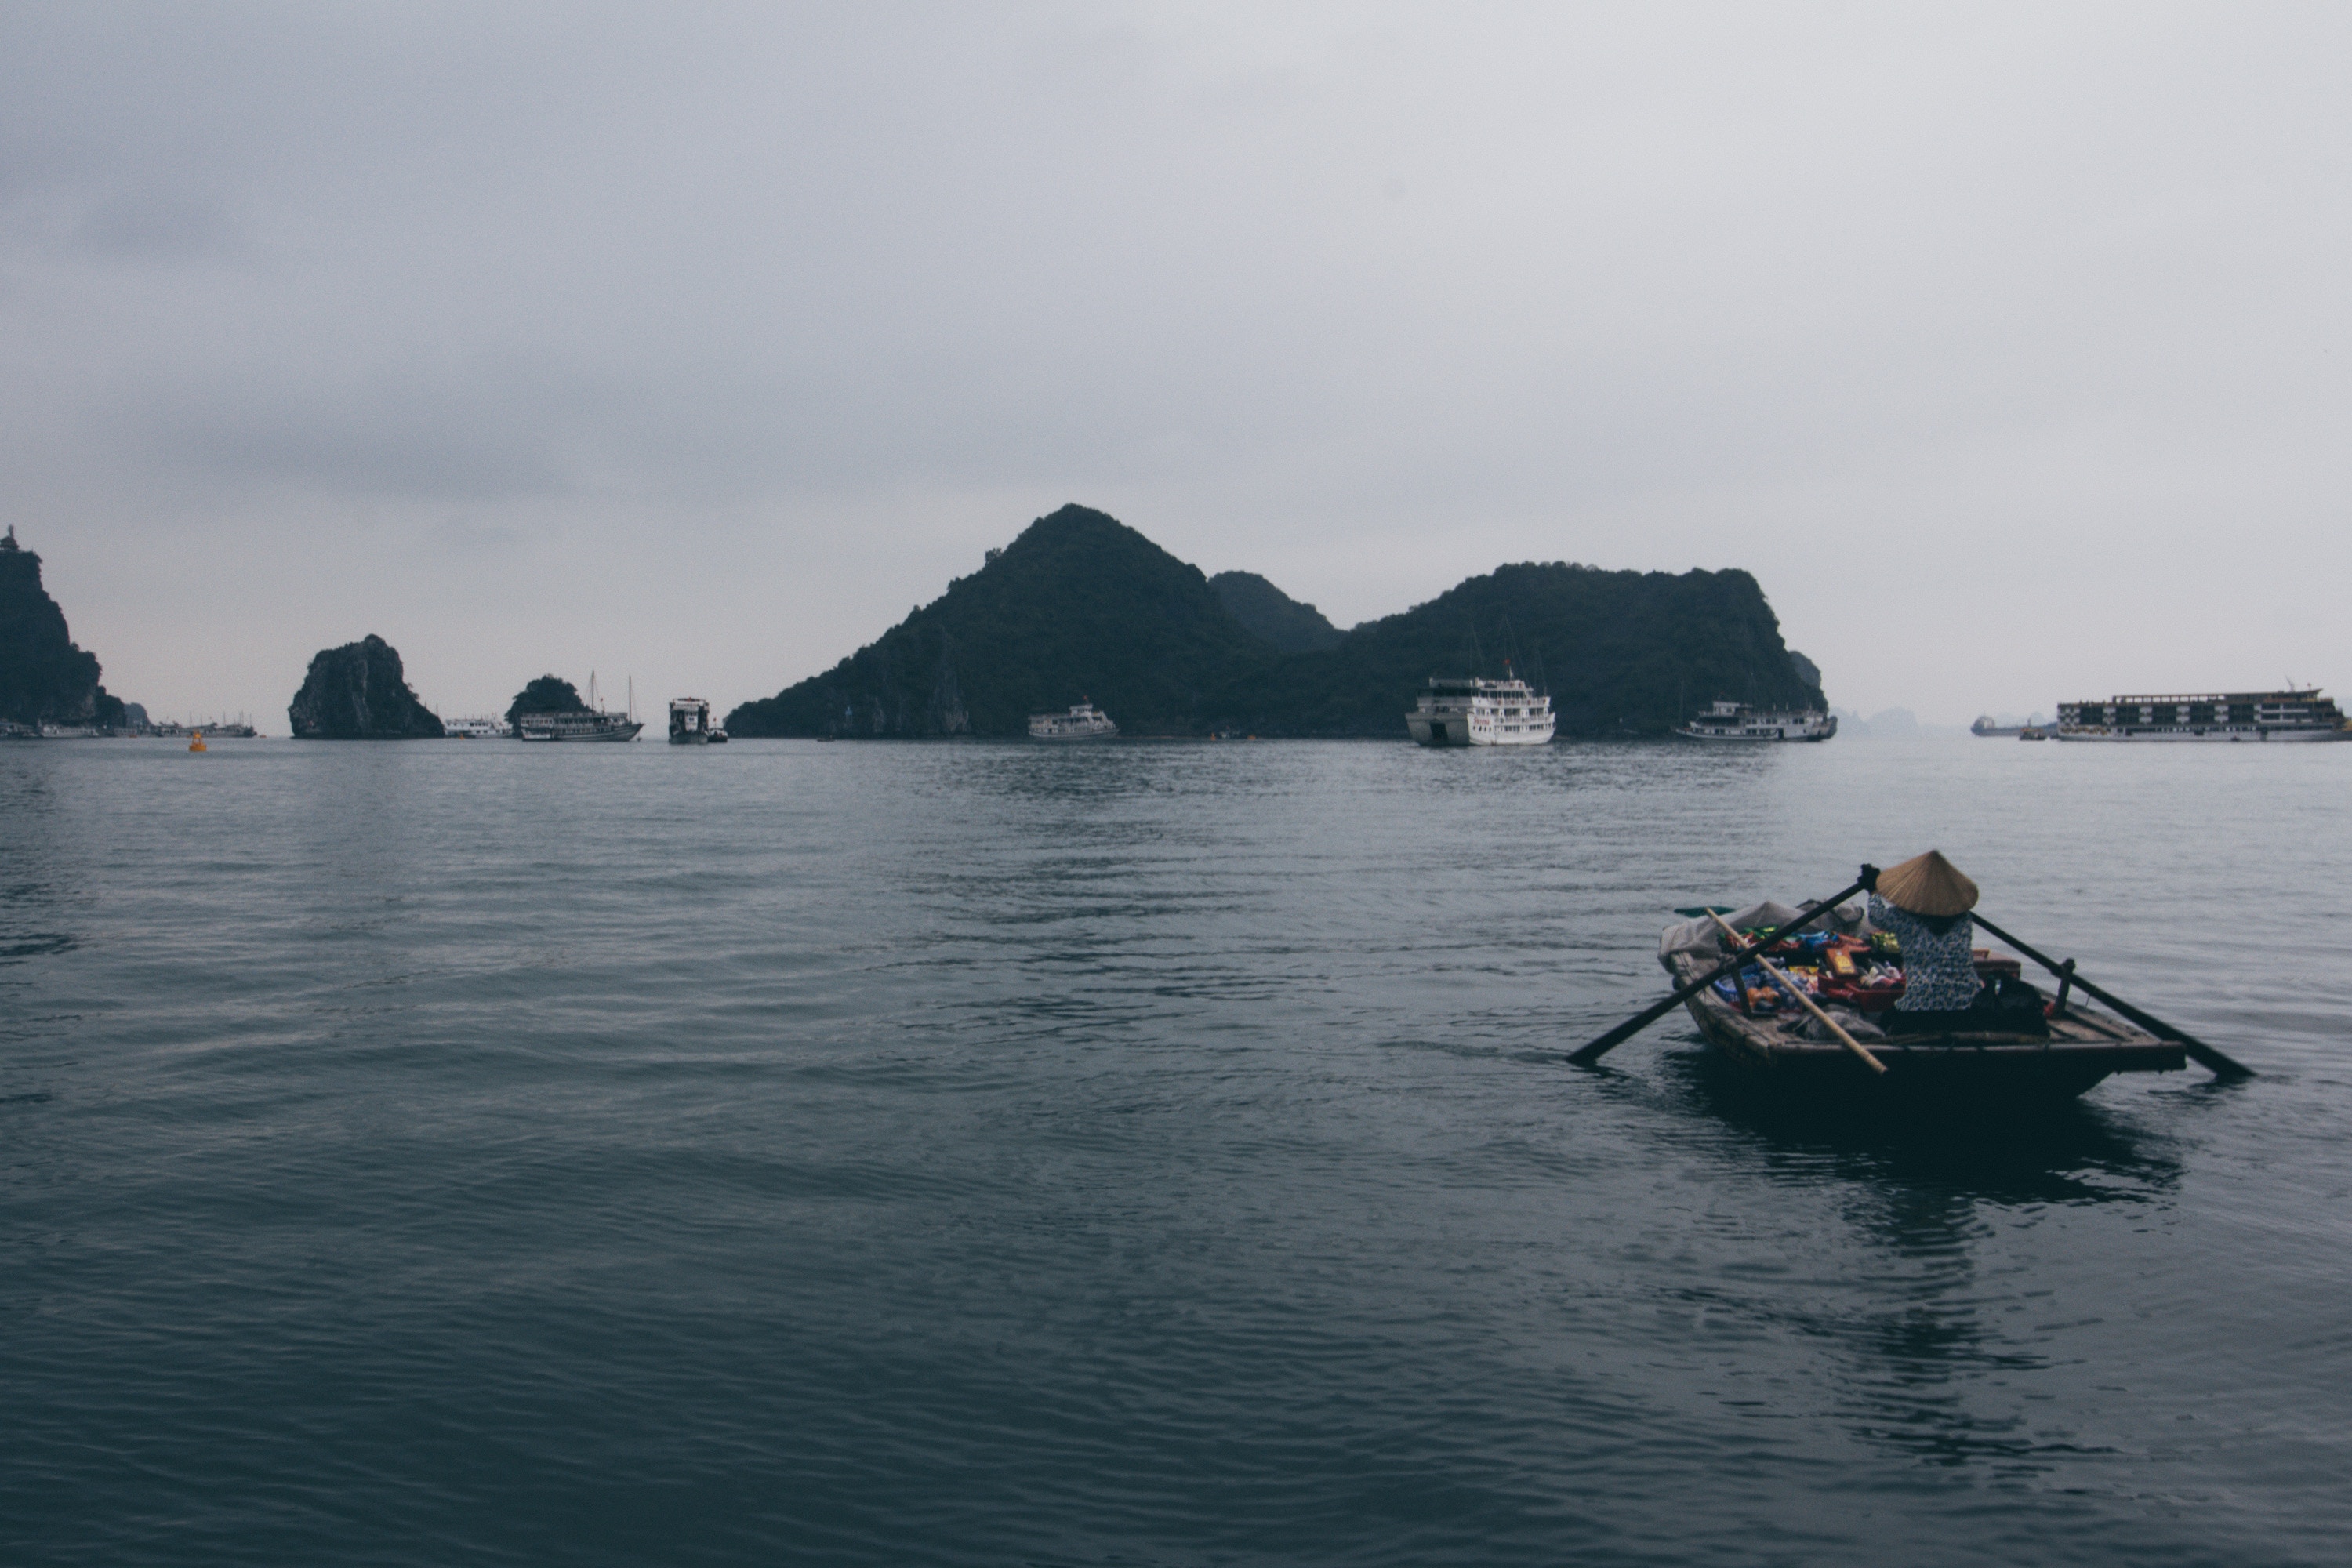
1737,721
1476,712
489,728
1082,722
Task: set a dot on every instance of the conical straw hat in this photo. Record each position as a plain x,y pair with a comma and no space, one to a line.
1927,884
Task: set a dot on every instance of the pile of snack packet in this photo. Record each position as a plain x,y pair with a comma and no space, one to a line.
1862,972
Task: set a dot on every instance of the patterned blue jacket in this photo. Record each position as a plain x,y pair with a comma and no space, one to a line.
1939,974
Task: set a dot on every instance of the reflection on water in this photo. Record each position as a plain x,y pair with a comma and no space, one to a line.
1927,1350
2068,1151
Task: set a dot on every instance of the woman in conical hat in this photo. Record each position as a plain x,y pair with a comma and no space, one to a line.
1928,885
1925,901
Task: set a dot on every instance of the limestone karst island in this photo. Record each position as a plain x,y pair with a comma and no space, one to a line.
1082,607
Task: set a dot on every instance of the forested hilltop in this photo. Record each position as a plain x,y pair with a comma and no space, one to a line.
1080,605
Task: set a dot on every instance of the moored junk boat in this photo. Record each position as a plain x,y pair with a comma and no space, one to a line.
1472,711
2289,715
1855,976
1727,720
593,725
1084,721
590,723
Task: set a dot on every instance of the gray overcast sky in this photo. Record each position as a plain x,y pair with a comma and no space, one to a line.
2007,345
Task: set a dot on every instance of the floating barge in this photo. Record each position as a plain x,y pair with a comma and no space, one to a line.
1791,1049
2260,716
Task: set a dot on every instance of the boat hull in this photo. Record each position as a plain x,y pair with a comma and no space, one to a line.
1453,729
2081,1051
2208,737
621,732
1780,737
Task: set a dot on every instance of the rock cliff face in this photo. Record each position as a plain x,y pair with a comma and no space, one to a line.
44,678
358,692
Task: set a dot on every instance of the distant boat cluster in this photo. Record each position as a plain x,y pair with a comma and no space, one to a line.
690,723
225,728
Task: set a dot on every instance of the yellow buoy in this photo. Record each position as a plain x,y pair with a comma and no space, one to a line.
196,741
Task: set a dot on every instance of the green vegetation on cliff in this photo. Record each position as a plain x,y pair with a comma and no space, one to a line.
1081,605
546,694
1268,613
44,678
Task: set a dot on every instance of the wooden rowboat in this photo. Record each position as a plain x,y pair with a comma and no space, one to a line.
1793,1050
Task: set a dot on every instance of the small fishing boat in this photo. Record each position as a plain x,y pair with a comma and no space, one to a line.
1789,1045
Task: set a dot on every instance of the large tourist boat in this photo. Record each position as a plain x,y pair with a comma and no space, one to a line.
2289,715
690,725
485,727
1726,720
1084,721
1473,711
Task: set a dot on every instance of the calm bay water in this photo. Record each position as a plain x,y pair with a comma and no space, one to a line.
1138,1154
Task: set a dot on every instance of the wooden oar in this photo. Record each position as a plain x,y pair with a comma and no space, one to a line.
1585,1056
2221,1066
1807,1003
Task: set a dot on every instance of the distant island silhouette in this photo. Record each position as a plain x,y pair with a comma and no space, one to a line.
1082,606
359,692
44,678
